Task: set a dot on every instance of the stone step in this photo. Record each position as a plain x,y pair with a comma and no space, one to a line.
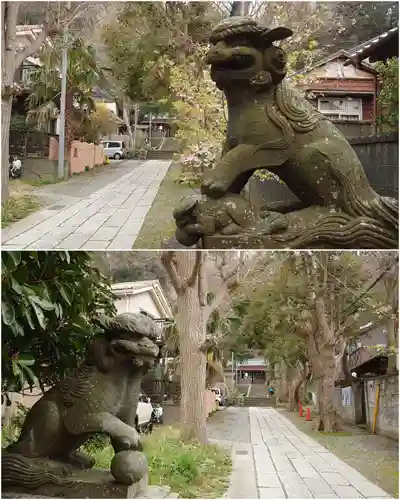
160,154
258,401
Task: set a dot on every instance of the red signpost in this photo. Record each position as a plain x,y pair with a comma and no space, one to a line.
308,415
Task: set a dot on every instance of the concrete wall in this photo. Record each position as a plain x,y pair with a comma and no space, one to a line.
348,402
39,169
85,156
345,403
388,416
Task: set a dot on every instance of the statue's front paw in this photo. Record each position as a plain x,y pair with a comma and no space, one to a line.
214,189
129,443
186,239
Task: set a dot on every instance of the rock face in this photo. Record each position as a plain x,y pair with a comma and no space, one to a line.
272,127
101,396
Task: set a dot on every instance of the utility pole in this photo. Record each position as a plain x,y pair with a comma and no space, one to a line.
136,111
233,367
150,129
61,170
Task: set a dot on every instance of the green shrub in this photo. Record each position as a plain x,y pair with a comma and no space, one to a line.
18,207
192,470
10,433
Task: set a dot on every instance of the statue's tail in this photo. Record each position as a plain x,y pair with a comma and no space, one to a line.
17,470
382,209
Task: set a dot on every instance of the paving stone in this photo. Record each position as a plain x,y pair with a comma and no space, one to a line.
333,478
86,212
131,228
299,490
97,244
75,241
268,480
123,242
347,492
282,463
308,472
271,493
105,233
317,485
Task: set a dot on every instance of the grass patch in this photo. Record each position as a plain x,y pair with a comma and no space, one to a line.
159,225
192,470
20,203
339,433
41,182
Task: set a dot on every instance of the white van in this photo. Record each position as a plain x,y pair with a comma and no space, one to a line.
144,414
114,149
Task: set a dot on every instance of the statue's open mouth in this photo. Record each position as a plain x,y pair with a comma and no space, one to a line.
144,347
235,62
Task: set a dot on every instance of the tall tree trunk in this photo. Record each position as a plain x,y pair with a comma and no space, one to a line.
11,61
9,13
282,388
184,269
300,376
324,368
189,321
6,106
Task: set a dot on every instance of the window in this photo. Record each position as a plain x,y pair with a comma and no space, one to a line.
337,108
114,144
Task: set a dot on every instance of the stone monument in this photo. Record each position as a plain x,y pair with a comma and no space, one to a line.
272,127
100,397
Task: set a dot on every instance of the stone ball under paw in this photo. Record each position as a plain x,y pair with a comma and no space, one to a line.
128,467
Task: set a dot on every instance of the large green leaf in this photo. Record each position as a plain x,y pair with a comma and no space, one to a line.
44,304
7,313
39,314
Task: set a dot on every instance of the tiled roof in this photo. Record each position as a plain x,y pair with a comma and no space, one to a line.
362,51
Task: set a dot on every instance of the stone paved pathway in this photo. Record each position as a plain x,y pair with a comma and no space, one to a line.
108,218
282,462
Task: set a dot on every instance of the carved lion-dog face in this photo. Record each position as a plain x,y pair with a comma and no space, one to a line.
129,339
242,51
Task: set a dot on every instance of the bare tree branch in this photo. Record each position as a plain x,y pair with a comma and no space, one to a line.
177,283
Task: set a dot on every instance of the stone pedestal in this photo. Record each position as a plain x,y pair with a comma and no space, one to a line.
91,483
313,227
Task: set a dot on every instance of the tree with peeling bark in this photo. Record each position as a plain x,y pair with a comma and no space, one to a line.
314,298
388,264
12,59
192,274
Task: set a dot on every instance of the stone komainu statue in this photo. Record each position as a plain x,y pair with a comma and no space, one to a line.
271,126
100,397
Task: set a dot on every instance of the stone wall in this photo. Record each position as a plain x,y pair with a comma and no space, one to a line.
349,401
388,415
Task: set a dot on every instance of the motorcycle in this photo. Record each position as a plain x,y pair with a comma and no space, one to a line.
158,414
15,168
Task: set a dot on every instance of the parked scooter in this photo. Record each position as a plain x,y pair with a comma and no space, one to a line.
158,414
14,168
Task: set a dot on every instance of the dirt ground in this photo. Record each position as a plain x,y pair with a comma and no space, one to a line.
376,457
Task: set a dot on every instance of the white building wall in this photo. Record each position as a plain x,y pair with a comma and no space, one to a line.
134,303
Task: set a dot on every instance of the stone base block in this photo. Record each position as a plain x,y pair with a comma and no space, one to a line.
91,483
313,227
